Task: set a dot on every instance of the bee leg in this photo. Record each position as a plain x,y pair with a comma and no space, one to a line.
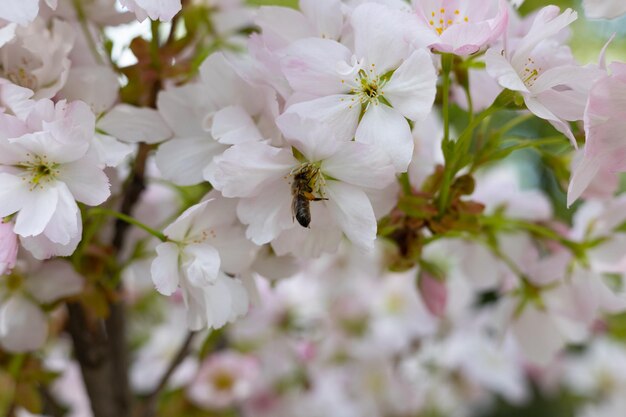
311,197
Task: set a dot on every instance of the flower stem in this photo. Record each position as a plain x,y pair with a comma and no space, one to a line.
129,220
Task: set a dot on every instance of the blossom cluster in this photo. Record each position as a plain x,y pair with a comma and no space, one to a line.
342,172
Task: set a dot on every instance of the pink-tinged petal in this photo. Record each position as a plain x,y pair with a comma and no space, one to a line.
334,116
245,170
582,176
540,110
23,326
282,26
360,164
268,213
548,270
86,180
478,33
33,217
434,294
326,17
233,125
55,280
19,11
353,212
547,23
135,124
604,9
567,105
201,264
386,128
380,35
164,269
183,160
14,194
312,66
604,116
502,70
609,256
413,86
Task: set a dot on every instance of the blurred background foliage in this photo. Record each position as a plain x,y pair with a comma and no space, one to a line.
544,171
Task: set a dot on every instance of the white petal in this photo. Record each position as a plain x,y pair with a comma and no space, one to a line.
326,16
311,66
184,108
245,170
360,164
537,335
502,70
413,86
54,280
35,216
282,25
7,33
14,194
19,11
201,263
233,125
96,85
268,213
386,128
183,160
333,116
164,269
111,151
380,35
65,224
23,326
86,180
135,124
353,212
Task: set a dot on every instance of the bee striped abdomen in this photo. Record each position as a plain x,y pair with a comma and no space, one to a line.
302,210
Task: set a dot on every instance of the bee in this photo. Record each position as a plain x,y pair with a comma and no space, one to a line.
303,187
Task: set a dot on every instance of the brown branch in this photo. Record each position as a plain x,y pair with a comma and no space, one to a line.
149,407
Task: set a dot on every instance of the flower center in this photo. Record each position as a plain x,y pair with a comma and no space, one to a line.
39,171
531,72
367,87
223,381
442,19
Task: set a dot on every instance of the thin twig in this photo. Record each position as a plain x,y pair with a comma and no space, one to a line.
152,399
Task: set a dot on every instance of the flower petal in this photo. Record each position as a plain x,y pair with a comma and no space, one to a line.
413,86
135,124
353,212
386,128
164,269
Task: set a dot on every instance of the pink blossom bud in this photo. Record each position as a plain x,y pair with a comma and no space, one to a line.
434,293
8,247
